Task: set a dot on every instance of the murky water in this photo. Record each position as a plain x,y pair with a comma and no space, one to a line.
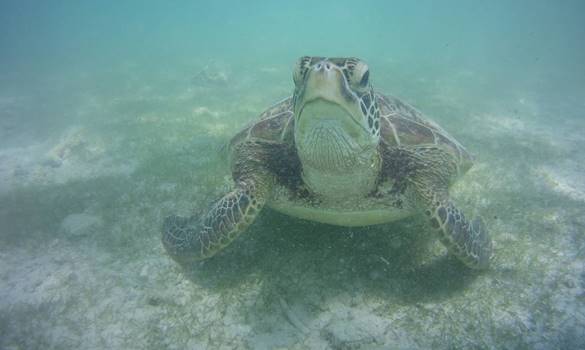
113,116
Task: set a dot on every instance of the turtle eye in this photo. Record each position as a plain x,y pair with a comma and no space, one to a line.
299,69
360,76
365,79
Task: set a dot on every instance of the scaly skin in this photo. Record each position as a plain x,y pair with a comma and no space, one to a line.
192,239
427,171
468,241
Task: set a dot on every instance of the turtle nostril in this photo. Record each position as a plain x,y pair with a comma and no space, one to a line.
322,65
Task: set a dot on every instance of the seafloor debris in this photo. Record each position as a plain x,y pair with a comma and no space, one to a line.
211,75
291,316
75,143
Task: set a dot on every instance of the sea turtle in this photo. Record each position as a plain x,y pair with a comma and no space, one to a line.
340,153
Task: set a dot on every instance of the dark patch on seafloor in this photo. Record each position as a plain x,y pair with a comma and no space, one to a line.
322,260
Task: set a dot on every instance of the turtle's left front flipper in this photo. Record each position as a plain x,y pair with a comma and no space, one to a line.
468,240
427,172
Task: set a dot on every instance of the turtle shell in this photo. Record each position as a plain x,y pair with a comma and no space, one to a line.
274,124
401,125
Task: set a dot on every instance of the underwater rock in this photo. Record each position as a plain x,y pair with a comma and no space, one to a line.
52,162
75,143
339,336
80,224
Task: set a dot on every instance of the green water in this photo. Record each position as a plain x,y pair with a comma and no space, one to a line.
113,114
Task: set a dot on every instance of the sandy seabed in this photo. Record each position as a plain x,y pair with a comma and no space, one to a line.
82,266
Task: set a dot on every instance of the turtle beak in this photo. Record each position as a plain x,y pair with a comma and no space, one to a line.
326,82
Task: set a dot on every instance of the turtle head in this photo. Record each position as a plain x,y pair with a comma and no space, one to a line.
335,93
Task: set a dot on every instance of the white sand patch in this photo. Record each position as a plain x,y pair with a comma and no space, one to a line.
501,123
205,111
77,154
566,178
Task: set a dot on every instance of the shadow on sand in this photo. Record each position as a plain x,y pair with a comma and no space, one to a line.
304,259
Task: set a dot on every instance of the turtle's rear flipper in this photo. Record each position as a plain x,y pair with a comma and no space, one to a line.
191,239
468,241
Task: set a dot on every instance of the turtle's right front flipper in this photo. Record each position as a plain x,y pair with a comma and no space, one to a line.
192,239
